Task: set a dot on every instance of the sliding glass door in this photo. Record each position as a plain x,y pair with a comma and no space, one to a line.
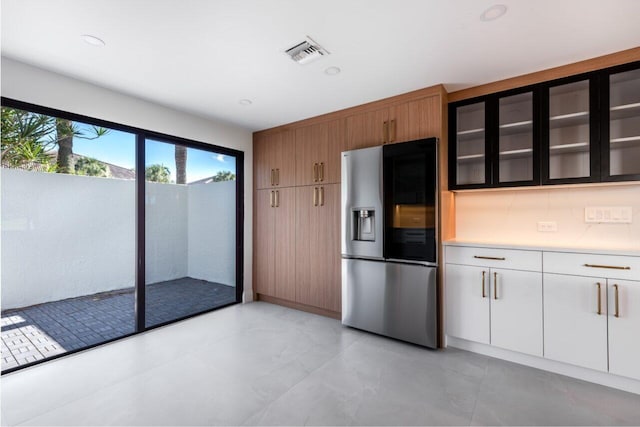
109,230
190,231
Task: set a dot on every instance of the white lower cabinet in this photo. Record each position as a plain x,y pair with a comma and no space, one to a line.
467,302
575,320
497,306
582,309
624,327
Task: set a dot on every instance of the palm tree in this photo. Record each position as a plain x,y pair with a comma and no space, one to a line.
181,164
224,176
64,134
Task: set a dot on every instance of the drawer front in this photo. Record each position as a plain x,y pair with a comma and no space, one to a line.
606,266
494,258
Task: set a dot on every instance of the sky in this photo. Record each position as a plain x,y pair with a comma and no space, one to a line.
118,148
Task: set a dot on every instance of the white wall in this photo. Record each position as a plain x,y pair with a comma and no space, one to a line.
38,86
166,238
511,216
65,236
211,230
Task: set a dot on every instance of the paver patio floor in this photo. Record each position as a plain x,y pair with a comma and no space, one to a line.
45,330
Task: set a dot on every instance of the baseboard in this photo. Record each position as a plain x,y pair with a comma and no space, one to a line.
298,306
602,378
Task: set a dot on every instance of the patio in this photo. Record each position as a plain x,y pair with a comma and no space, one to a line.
45,330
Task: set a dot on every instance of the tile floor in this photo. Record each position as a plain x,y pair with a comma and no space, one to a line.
45,330
261,364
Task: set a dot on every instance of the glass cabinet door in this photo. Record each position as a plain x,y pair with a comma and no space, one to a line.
621,154
569,131
515,138
470,140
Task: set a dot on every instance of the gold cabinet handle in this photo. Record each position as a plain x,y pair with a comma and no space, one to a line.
321,196
614,267
392,131
272,177
484,295
271,202
321,171
315,172
489,257
599,298
277,176
617,304
385,132
495,285
277,198
315,196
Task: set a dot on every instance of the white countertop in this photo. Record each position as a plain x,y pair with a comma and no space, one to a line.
548,247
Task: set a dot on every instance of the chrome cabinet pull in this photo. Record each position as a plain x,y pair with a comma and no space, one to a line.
489,257
599,299
617,305
484,295
614,267
495,285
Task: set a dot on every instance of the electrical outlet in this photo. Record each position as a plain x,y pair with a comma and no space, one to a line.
547,226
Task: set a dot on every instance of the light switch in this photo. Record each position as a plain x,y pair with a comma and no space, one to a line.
608,214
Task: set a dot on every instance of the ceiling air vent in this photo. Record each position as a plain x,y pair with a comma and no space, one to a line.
307,51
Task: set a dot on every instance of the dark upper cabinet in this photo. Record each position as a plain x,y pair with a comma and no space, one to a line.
569,132
620,123
578,129
494,141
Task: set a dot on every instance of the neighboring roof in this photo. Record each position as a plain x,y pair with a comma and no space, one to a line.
117,172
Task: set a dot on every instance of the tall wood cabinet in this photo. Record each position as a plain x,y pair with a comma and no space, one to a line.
274,160
401,122
274,243
318,246
297,260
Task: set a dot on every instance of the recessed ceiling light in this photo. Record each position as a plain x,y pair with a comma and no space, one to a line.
245,102
332,71
92,40
493,13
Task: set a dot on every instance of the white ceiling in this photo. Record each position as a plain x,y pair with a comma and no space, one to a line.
204,56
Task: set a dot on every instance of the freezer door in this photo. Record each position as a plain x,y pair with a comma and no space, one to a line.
362,209
392,299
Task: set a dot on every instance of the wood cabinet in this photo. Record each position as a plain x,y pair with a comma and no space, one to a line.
497,306
274,253
318,149
401,122
274,160
318,276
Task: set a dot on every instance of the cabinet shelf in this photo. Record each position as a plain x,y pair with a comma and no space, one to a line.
576,147
630,141
512,154
471,134
516,128
568,120
470,158
625,111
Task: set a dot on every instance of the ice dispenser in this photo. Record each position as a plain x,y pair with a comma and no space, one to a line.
364,224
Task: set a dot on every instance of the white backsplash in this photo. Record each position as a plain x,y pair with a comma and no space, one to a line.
512,216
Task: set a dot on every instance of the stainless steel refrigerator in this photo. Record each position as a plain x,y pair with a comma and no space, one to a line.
389,247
